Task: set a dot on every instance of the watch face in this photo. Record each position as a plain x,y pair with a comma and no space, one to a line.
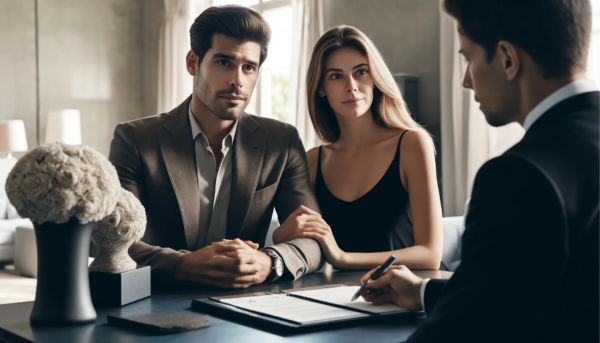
278,267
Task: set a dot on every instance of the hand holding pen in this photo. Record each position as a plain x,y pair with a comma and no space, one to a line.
374,276
398,286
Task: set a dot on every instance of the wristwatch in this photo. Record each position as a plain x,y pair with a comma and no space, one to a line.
276,265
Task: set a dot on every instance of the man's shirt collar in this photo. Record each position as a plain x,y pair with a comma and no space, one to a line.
574,88
196,130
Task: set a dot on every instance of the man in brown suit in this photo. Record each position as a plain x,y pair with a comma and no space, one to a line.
210,175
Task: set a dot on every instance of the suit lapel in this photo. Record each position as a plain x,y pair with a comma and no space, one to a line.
178,152
248,155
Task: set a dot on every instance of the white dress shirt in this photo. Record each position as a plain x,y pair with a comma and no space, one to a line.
574,88
214,185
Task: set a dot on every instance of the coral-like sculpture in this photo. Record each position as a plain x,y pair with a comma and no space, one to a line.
55,182
114,234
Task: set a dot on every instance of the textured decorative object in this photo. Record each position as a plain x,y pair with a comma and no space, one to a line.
115,278
64,126
55,182
63,190
114,234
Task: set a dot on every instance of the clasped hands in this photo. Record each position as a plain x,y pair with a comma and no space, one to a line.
306,223
227,264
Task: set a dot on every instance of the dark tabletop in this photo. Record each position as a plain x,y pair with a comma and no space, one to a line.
15,327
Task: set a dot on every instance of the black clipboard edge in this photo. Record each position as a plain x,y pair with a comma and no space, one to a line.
285,327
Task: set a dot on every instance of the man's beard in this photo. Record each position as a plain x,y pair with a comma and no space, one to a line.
495,121
228,111
503,116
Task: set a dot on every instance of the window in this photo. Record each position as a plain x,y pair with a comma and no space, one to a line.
593,66
271,94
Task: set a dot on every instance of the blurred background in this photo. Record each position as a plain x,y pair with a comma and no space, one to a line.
72,70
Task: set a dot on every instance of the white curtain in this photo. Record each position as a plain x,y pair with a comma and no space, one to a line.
467,140
307,29
174,82
593,64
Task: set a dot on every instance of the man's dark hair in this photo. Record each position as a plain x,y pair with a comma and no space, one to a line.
238,22
555,33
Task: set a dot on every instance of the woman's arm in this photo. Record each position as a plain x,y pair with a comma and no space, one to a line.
417,168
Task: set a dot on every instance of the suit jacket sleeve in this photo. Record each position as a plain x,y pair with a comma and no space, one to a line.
300,255
515,248
432,293
124,156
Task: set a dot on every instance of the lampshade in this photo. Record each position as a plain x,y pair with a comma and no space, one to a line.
64,126
12,136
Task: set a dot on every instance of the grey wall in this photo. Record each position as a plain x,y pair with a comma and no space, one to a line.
152,16
17,64
406,32
97,56
88,54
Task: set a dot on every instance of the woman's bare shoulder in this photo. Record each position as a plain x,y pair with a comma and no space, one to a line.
418,140
417,147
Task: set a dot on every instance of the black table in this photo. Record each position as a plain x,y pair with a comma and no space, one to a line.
15,327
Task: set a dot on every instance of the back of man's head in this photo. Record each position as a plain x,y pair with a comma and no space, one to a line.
241,23
555,33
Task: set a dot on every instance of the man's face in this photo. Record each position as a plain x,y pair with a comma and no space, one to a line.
498,97
227,76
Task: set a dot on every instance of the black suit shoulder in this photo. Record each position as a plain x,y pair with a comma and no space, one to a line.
564,145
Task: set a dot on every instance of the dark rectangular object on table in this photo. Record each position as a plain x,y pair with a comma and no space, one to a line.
119,289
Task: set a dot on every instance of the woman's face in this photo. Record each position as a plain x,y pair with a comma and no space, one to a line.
347,83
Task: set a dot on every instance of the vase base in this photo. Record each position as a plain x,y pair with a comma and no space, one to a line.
119,289
43,322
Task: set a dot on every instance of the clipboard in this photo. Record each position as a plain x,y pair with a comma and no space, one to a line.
213,305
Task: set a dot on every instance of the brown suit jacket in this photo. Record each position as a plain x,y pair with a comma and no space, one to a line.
155,160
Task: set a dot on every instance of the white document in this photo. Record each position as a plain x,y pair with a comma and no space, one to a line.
291,308
342,295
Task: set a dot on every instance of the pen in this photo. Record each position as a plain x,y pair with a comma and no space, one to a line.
375,276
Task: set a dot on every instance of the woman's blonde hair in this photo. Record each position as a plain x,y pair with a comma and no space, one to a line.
388,107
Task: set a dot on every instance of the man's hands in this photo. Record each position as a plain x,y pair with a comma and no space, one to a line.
306,223
227,264
398,286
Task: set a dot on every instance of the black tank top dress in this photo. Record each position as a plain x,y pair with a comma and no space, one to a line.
378,221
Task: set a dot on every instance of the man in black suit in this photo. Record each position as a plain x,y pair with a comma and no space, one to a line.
529,270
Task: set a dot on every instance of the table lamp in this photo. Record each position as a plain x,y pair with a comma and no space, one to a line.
64,126
12,137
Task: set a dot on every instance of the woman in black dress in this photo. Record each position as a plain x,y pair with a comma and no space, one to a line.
375,178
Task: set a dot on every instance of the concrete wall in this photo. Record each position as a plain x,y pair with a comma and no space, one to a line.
406,32
17,64
90,59
152,16
97,56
